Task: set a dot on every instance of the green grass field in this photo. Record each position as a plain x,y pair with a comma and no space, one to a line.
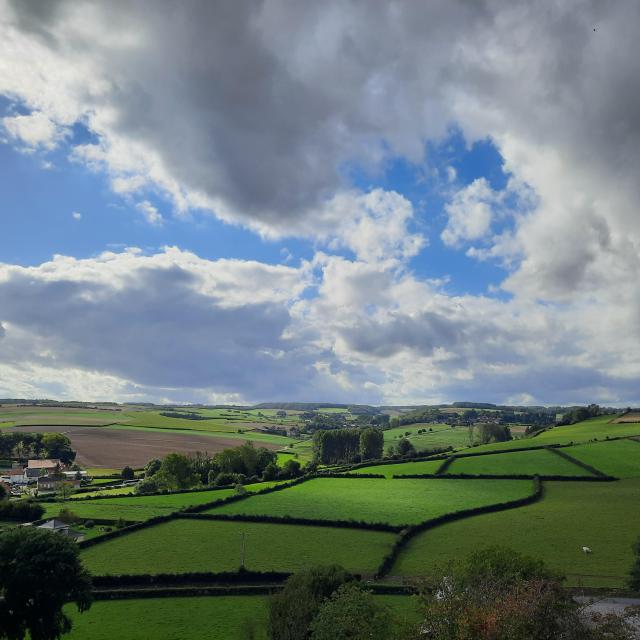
620,458
213,618
119,491
402,468
200,545
442,435
602,516
521,462
393,501
135,509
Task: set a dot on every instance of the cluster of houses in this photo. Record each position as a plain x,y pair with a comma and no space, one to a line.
40,476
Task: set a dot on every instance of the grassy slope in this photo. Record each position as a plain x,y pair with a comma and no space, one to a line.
129,508
402,468
525,462
441,436
392,501
199,545
602,516
620,458
214,618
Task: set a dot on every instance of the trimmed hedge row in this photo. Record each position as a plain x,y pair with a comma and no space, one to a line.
407,534
20,510
338,524
346,474
579,463
175,514
242,576
125,530
177,592
510,476
384,461
138,495
444,466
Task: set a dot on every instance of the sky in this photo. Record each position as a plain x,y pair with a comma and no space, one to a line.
357,201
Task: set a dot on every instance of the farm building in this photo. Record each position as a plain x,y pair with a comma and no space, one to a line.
58,526
54,482
46,466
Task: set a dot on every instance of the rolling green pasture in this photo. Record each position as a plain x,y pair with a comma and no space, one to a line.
207,545
402,468
594,428
214,618
620,458
441,436
541,462
130,508
119,491
603,516
376,500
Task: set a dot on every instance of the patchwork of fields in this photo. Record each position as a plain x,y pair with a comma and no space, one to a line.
396,502
207,545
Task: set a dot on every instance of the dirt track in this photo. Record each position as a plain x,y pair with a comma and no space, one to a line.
115,448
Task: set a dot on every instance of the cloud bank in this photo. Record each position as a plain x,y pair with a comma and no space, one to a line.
256,112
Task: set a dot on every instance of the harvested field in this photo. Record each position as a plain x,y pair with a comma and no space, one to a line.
116,448
632,416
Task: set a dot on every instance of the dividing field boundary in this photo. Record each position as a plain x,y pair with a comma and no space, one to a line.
312,522
151,522
579,463
410,532
510,476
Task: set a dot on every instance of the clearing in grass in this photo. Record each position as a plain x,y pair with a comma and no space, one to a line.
572,515
396,502
541,462
180,546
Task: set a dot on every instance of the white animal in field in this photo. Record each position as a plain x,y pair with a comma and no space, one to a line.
586,550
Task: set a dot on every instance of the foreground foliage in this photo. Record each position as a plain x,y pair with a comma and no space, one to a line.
39,572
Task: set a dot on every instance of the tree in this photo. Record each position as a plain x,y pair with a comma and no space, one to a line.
40,572
152,467
290,469
498,594
176,472
270,472
406,448
351,614
128,473
634,577
3,492
57,445
292,610
371,444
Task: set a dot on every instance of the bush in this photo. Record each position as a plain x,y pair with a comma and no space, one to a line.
20,510
89,524
128,474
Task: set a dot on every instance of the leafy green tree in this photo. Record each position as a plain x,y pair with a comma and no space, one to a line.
57,445
352,614
405,447
498,594
128,474
371,444
152,467
40,572
290,469
176,472
270,472
292,610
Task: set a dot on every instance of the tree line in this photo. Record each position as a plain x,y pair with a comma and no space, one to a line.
234,466
347,445
36,445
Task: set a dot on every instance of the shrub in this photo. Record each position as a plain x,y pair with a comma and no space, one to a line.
128,474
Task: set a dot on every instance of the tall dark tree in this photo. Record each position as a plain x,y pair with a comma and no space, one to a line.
40,572
292,610
371,444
